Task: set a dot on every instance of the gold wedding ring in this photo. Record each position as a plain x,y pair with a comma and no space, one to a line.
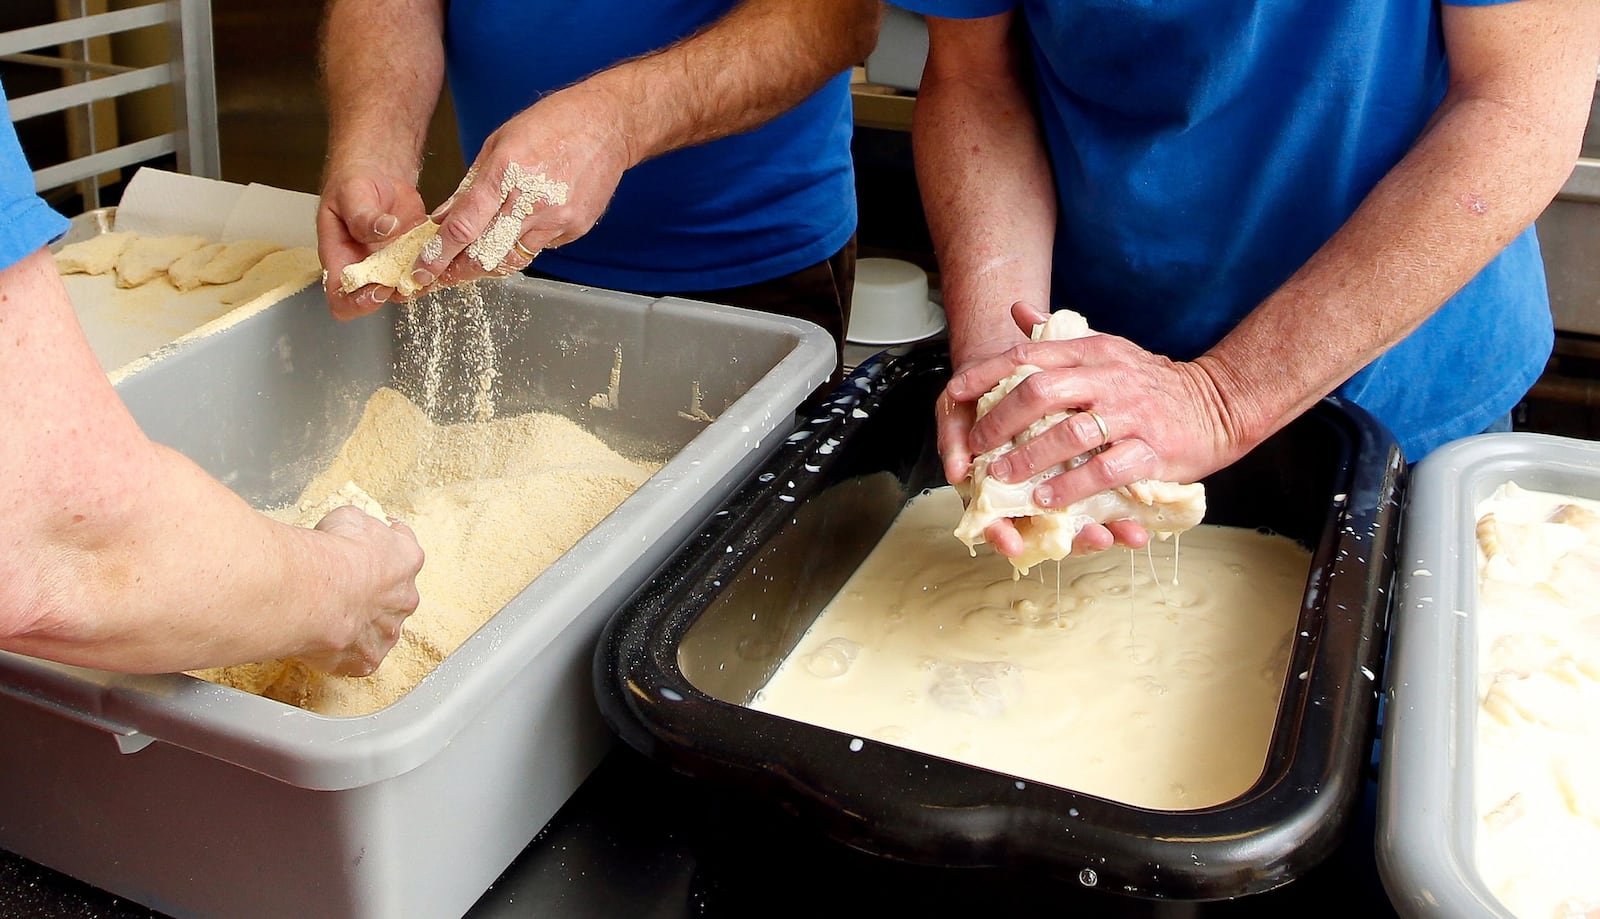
517,245
1105,433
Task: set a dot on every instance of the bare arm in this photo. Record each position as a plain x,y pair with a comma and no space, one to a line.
1496,153
740,72
1497,150
382,71
748,67
121,554
991,208
988,195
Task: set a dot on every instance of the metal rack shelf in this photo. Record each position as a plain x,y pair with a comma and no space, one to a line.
65,45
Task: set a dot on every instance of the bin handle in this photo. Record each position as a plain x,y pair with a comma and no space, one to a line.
128,739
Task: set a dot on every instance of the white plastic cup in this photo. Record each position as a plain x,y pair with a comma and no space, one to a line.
890,303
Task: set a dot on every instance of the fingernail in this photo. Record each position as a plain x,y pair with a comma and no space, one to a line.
421,277
442,209
1044,496
1000,468
385,225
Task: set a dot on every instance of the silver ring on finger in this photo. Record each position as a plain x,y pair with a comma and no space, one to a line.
1099,422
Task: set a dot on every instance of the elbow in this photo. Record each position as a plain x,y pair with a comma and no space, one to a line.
1528,157
1570,137
30,608
1546,137
69,561
1560,132
1555,166
861,37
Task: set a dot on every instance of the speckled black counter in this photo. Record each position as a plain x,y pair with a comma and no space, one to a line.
636,842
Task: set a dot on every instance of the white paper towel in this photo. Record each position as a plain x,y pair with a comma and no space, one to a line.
160,203
125,325
157,202
264,212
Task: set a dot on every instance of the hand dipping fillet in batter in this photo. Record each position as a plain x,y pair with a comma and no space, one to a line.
1112,678
1163,508
493,504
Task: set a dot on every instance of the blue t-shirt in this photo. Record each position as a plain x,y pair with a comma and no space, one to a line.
1202,151
734,211
26,222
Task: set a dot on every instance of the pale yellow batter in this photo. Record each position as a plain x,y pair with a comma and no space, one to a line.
1116,674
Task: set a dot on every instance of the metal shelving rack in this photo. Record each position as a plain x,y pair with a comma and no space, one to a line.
64,45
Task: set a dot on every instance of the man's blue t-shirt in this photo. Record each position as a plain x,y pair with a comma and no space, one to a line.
26,221
734,211
1202,151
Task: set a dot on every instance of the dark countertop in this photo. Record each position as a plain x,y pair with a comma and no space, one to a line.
638,842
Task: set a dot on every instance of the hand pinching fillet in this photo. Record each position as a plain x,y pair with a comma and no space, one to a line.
1163,508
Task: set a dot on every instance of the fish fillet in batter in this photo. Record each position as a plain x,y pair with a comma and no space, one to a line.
236,259
309,512
278,275
184,273
1162,508
148,257
95,255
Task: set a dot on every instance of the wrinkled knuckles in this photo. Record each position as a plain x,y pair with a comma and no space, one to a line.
1020,464
1038,393
1104,471
458,230
959,389
1127,462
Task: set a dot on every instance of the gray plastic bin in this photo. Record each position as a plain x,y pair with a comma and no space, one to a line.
1426,809
200,800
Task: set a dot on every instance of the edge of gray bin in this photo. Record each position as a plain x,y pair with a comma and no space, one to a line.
326,753
1426,802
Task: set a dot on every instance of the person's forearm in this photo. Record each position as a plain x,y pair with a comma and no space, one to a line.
1494,155
986,188
382,71
168,571
751,65
121,554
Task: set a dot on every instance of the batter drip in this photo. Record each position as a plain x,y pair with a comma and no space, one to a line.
1163,508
